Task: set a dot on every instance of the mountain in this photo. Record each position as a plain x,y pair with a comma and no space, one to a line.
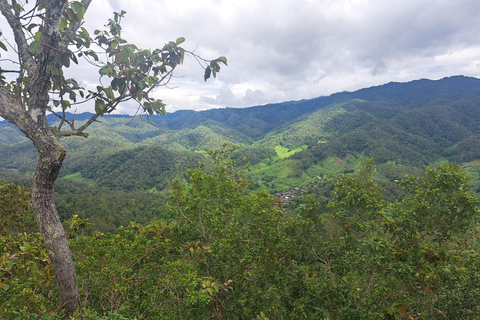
403,126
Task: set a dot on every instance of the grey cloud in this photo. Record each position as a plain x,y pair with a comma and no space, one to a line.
296,49
226,98
301,47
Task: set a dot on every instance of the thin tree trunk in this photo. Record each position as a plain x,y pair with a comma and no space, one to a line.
51,156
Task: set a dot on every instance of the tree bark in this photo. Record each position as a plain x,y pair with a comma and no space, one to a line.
51,156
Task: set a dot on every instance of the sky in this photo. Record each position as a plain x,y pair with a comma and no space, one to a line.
282,50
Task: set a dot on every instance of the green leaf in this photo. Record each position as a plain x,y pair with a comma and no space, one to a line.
63,24
93,54
3,46
159,107
66,104
9,265
180,40
105,70
64,60
117,27
100,106
73,96
121,85
76,5
38,36
223,60
118,58
34,47
34,269
124,54
207,74
109,92
131,53
78,9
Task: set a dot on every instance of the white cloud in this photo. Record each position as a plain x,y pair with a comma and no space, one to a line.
298,49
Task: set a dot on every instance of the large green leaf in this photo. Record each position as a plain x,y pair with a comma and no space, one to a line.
109,92
223,60
100,106
180,41
78,9
105,70
34,47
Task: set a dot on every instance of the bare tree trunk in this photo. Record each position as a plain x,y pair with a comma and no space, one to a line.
51,156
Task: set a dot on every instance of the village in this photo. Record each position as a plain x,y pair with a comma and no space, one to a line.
289,195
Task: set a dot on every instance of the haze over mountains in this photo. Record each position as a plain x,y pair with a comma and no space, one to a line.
403,126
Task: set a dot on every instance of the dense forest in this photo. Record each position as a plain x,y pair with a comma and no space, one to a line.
404,127
229,253
359,205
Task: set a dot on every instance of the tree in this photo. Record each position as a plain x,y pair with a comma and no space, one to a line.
415,258
238,240
49,36
15,209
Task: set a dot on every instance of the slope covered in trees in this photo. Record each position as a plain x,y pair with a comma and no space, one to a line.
403,126
214,244
227,253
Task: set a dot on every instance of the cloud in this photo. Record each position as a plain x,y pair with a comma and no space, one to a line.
297,49
227,98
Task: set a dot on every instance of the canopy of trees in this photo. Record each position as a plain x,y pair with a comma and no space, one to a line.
229,253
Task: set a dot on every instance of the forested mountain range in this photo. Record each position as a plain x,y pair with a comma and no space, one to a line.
403,126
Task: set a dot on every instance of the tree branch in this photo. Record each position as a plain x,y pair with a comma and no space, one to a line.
12,110
20,39
9,71
47,54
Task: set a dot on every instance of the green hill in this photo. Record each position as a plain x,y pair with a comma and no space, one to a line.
403,126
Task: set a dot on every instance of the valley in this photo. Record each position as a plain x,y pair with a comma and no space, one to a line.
360,205
404,127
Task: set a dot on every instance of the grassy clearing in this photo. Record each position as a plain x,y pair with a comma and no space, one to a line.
278,169
331,167
284,153
77,177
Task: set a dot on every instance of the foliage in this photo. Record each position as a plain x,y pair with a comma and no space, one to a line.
107,210
394,124
15,210
405,259
122,170
237,239
230,253
27,284
443,204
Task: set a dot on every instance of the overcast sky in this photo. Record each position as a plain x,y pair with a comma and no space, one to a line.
281,50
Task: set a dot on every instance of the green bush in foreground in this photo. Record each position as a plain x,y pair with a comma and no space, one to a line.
233,254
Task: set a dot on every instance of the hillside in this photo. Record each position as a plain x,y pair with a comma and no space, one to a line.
403,126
